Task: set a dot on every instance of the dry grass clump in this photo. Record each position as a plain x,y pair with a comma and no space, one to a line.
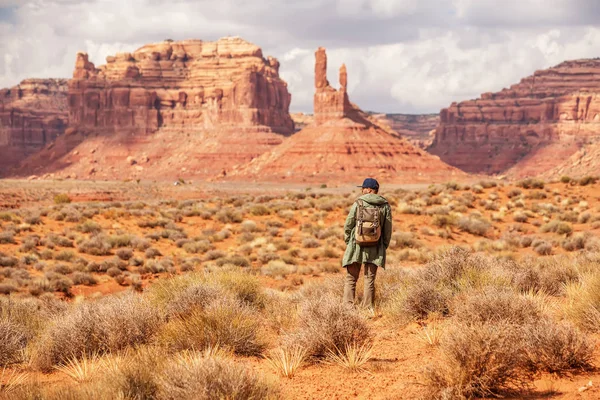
98,245
11,381
401,240
245,287
557,347
583,302
193,298
278,269
80,369
479,360
549,275
352,357
12,342
223,322
211,378
111,324
286,360
474,225
560,227
325,324
417,301
495,305
542,247
531,183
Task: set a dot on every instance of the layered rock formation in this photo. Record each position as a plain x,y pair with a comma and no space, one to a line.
184,86
32,114
192,108
542,119
344,145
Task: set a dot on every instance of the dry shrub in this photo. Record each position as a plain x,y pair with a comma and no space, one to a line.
278,268
443,221
98,245
195,297
557,347
474,225
212,378
576,242
281,310
479,359
12,342
242,285
542,247
560,227
29,315
333,287
583,302
83,278
401,240
225,323
495,305
111,324
418,301
197,247
325,323
548,275
457,269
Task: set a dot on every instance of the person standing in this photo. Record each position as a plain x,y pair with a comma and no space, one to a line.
367,233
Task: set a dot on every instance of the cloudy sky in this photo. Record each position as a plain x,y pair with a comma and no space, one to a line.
407,56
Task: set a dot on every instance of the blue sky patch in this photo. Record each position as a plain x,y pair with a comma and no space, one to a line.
7,14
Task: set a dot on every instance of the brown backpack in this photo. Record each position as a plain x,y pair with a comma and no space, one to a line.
368,224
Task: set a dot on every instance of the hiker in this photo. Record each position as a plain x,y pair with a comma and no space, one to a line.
367,233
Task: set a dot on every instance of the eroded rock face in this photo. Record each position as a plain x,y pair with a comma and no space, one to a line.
344,144
32,114
498,130
329,104
194,109
181,86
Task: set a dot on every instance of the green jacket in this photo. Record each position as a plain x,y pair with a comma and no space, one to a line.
372,254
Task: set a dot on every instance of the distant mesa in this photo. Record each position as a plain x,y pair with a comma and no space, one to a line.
186,85
192,108
527,129
32,115
343,144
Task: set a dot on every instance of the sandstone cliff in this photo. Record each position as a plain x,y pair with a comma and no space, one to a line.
184,86
537,122
344,144
32,114
189,108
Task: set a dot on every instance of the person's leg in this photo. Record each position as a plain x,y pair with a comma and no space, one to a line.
369,294
352,272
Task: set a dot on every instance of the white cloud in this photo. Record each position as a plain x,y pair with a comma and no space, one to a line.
402,55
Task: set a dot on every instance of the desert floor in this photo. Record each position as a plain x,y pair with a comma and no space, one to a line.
80,241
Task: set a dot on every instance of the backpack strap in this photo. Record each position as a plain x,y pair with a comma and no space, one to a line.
359,214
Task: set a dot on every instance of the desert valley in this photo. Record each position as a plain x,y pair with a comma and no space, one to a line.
169,230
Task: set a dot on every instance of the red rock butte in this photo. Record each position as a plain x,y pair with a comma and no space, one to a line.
32,114
526,129
190,108
184,85
344,145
